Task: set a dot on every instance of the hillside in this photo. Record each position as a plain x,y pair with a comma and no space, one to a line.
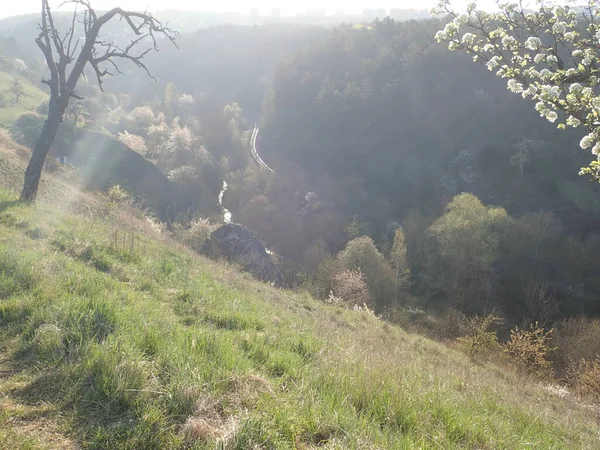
32,97
112,336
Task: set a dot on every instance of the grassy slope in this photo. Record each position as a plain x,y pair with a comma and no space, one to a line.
29,101
105,344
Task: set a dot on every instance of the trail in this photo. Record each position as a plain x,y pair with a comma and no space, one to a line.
255,152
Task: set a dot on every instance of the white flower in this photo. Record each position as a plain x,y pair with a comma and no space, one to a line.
461,19
453,45
551,59
596,149
577,53
441,36
552,92
531,90
508,42
598,35
551,116
570,36
587,141
587,92
488,48
493,63
545,73
575,88
596,102
573,121
559,28
540,106
514,86
540,57
533,43
586,61
468,38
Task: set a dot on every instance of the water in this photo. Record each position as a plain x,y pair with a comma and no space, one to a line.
226,213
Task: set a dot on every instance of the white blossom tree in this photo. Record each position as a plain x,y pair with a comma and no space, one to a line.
549,54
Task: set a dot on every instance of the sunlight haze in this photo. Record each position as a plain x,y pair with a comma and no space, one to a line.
286,7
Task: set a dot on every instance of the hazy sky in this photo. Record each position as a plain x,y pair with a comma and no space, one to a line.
14,7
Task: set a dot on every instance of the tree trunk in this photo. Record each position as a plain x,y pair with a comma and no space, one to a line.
36,163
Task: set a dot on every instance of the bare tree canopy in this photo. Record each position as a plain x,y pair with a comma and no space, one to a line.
67,54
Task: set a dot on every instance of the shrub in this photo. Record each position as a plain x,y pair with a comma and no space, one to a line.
576,339
134,142
361,253
480,338
196,233
321,284
350,286
584,377
530,349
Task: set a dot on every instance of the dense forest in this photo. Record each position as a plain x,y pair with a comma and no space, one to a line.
399,167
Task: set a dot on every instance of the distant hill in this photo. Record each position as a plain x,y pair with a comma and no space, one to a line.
29,101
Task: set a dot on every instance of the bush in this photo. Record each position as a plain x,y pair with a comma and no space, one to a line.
26,129
480,338
350,286
196,233
530,349
577,339
584,377
361,253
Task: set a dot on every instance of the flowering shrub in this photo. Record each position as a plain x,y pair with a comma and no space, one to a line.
350,286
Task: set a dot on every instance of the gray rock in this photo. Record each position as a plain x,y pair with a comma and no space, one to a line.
238,244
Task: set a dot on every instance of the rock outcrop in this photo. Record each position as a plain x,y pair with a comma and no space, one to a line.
238,244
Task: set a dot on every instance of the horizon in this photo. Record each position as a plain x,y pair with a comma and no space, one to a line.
265,7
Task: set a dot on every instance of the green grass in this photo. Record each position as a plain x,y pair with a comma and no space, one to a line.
31,98
107,347
113,337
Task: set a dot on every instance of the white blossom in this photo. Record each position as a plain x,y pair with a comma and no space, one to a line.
575,88
514,86
573,121
596,149
493,63
540,57
577,53
587,141
468,38
559,28
551,116
551,59
508,42
586,61
533,43
552,92
488,48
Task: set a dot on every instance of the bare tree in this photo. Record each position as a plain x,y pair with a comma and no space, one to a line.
67,55
16,87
